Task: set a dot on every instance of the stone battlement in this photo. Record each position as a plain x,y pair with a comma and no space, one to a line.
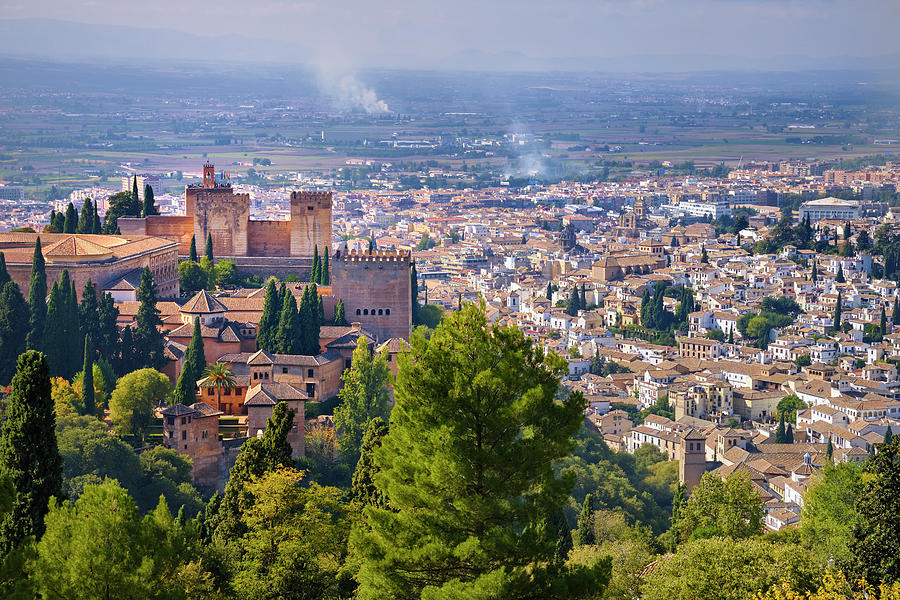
377,256
318,198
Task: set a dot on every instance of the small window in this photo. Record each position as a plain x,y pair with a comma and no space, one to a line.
205,434
311,390
358,312
284,369
255,375
183,434
380,312
309,372
183,420
373,311
366,311
390,358
227,392
267,375
210,392
309,208
387,311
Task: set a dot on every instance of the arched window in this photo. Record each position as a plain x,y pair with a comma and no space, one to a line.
387,311
380,312
372,312
366,311
358,311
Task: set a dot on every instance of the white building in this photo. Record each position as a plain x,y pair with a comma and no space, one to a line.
830,208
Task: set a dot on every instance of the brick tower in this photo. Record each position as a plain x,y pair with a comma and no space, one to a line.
310,222
691,456
375,288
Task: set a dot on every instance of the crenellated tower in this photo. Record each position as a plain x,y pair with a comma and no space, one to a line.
310,222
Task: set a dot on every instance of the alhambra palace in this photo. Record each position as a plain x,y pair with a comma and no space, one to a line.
373,285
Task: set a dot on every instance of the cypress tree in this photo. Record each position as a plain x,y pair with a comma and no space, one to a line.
148,339
564,543
71,223
13,313
780,433
185,387
107,340
572,304
837,313
53,219
895,315
883,325
193,252
325,271
268,322
585,529
87,383
4,273
195,357
28,452
126,359
583,300
97,227
888,436
134,193
339,317
840,274
363,489
149,207
55,331
60,222
815,273
209,248
314,272
73,323
549,292
731,336
789,434
704,257
288,338
414,291
37,299
829,451
86,221
88,313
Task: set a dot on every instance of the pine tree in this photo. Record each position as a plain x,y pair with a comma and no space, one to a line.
135,197
55,331
86,221
339,318
288,338
60,222
149,207
584,533
468,511
840,274
781,432
193,252
314,272
704,257
209,248
268,322
13,313
325,271
789,434
195,356
549,292
71,222
815,274
148,338
883,325
97,225
583,300
363,489
87,384
837,313
185,391
888,436
28,452
88,313
107,340
4,273
37,299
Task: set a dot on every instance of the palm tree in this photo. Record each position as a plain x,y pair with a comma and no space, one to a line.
218,376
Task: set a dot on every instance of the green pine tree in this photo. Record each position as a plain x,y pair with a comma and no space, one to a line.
837,313
149,206
888,436
468,511
185,387
29,457
781,432
363,397
60,222
86,221
149,340
268,322
107,340
325,271
564,542
339,317
288,338
13,314
55,331
71,222
840,274
584,533
89,313
815,273
87,383
135,197
314,272
209,248
195,356
37,299
363,489
193,252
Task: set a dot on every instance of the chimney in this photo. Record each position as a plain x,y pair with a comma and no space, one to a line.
355,326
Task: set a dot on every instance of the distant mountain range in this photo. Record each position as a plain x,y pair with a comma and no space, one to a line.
71,41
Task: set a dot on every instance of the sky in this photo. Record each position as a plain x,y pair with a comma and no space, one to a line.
426,33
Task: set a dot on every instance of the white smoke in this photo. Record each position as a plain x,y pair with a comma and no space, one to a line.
349,93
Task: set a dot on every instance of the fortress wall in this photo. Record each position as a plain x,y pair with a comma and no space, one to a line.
269,238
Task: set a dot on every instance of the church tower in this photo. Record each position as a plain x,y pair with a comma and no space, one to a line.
691,458
639,209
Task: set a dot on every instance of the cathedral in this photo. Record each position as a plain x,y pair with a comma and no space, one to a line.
631,222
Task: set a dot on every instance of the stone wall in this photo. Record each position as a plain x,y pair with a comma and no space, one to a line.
269,238
177,229
223,215
310,222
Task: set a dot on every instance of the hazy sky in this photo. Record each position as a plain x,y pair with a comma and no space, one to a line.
415,32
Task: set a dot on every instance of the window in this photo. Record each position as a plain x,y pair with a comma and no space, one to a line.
387,311
267,375
183,434
366,311
255,375
227,392
284,369
205,434
183,420
358,312
309,372
210,392
390,358
380,312
348,363
311,390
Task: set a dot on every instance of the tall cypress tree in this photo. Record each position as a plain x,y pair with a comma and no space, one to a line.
195,357
193,253
28,452
324,271
209,248
780,432
97,226
339,317
895,315
60,222
837,313
414,290
815,272
583,300
71,222
87,383
363,489
148,338
883,325
789,434
549,292
314,272
135,197
185,391
840,275
86,221
37,299
289,339
4,273
88,313
13,313
584,533
268,322
73,323
107,340
149,206
55,331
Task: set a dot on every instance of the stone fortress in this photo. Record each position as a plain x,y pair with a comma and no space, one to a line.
259,247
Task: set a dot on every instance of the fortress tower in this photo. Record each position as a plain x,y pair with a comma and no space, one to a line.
376,291
691,456
310,222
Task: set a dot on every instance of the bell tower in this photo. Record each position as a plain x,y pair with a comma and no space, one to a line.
209,175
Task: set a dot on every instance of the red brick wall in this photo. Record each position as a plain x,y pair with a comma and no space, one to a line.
269,238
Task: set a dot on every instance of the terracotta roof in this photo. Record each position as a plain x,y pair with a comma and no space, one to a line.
203,303
270,394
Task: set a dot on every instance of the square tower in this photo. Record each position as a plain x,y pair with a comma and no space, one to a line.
310,223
